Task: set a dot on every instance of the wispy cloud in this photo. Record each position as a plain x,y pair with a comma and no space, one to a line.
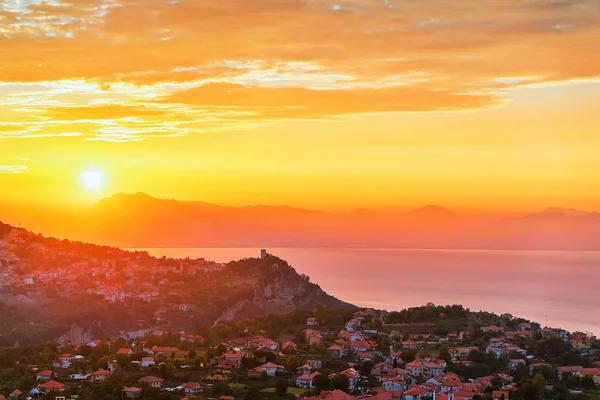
124,70
12,169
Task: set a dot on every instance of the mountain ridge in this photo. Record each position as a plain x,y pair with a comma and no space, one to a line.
140,220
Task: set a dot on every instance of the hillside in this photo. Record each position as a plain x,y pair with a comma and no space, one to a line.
139,220
54,289
324,354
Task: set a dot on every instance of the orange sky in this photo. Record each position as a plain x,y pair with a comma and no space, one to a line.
488,105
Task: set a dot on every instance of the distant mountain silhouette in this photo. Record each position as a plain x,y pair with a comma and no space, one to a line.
140,220
433,212
557,212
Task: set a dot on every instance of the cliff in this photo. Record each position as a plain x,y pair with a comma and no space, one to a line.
276,288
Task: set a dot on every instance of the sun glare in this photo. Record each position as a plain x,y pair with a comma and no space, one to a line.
92,179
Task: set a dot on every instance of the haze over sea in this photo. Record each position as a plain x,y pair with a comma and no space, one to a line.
555,288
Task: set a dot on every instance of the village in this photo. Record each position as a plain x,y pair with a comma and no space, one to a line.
111,274
59,290
297,350
370,357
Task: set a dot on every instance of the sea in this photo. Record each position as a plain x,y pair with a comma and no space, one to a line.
560,289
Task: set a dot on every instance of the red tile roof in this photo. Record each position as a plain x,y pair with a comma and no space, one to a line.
158,349
45,372
101,372
131,389
414,364
333,395
150,379
590,371
52,385
416,392
309,377
350,373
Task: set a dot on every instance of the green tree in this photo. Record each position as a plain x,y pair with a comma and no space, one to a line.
365,368
496,382
166,370
445,354
292,363
254,394
409,355
547,372
150,393
221,389
321,382
281,388
587,383
123,361
573,381
340,382
539,381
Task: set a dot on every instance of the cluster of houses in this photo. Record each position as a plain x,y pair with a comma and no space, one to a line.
428,376
47,381
390,376
117,276
425,376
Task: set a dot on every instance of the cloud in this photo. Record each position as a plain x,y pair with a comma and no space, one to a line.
294,102
134,70
100,112
12,169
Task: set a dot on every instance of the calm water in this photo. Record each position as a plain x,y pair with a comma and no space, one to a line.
560,289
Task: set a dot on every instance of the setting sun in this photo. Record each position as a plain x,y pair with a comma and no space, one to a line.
92,179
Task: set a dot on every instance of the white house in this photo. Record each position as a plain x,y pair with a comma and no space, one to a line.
152,381
306,381
43,376
416,393
352,325
513,364
524,326
353,376
394,385
183,307
64,361
192,388
147,362
270,368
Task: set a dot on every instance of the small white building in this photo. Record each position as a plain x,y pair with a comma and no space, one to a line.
306,381
147,362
